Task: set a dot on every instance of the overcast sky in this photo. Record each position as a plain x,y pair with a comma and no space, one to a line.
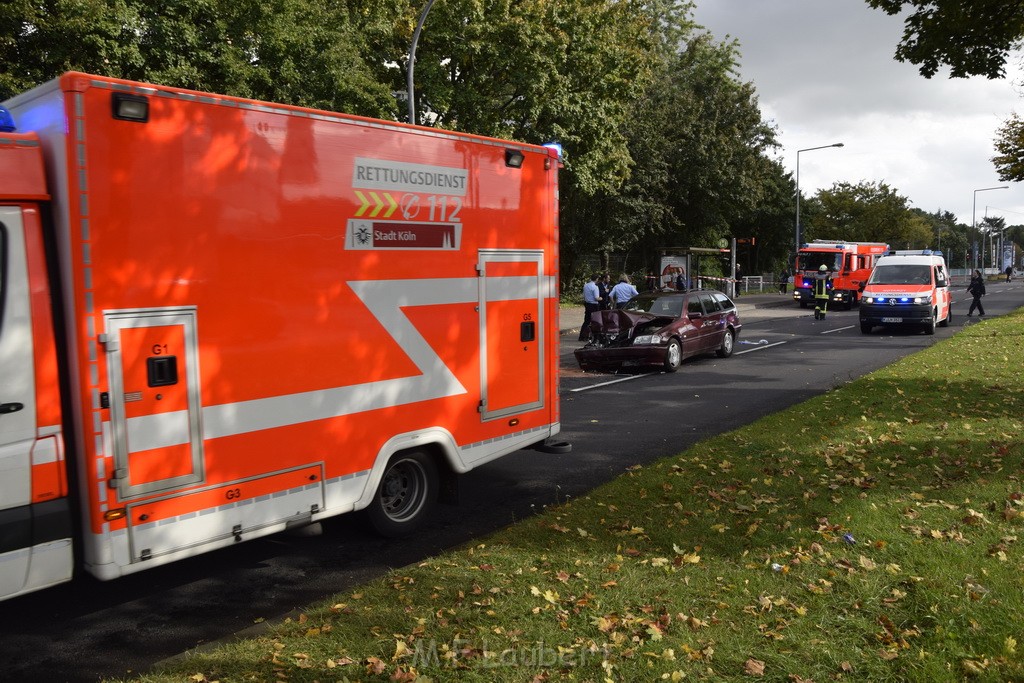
824,73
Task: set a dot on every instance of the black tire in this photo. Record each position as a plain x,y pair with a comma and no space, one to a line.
673,355
406,494
949,317
865,328
803,304
728,343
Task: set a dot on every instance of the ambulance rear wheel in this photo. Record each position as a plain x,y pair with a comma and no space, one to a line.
406,494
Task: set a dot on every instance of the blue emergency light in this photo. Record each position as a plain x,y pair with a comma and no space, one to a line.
6,120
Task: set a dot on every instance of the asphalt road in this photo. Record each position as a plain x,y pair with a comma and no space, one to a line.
87,629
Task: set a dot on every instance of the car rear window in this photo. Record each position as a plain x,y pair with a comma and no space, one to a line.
710,304
724,302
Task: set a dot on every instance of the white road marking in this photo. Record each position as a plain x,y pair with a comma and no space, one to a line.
758,348
838,329
604,384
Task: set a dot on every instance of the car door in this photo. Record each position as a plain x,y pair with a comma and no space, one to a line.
714,322
693,330
942,295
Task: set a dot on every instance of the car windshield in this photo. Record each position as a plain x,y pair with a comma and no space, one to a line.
812,260
903,274
664,305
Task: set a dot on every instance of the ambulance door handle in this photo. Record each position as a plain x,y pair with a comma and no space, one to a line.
6,408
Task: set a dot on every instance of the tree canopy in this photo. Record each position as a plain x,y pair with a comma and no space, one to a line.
867,212
1009,144
971,38
665,145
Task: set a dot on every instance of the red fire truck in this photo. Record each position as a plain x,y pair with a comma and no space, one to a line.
222,318
849,263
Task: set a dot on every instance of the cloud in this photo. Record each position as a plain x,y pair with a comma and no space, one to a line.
824,72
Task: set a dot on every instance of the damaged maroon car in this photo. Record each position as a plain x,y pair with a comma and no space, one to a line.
661,329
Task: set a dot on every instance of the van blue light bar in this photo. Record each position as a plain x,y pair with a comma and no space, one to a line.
6,120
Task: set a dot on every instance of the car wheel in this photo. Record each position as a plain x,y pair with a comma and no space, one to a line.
948,319
929,328
728,340
865,328
673,356
405,496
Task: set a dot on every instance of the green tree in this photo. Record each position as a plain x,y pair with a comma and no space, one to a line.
536,71
700,167
971,38
40,39
1009,144
947,235
303,52
867,212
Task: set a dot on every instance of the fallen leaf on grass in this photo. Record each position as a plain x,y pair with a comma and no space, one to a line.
753,667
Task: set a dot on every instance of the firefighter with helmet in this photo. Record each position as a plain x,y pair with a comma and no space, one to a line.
822,287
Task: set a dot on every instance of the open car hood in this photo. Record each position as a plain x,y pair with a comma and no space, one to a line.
618,323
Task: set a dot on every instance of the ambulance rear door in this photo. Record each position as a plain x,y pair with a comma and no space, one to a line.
154,400
512,329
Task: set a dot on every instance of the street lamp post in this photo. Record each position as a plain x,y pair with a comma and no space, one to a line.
974,223
412,61
796,246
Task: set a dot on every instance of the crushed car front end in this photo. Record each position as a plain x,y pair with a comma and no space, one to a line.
626,339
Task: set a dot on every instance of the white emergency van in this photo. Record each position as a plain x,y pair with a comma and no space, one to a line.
907,288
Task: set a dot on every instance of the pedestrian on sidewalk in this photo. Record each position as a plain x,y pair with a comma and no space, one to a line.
591,304
783,281
1009,273
977,290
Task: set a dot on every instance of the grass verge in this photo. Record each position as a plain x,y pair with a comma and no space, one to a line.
869,534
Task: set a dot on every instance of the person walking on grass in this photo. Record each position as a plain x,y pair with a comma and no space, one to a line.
977,290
